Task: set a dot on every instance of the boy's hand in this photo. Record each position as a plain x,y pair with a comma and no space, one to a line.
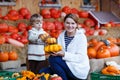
43,37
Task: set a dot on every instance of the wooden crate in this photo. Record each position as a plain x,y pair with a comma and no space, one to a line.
10,64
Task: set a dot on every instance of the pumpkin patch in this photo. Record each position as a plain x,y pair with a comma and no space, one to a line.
102,49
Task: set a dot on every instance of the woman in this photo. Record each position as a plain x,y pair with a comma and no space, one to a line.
72,62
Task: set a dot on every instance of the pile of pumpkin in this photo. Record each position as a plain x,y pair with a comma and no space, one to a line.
28,75
5,56
51,44
111,68
102,49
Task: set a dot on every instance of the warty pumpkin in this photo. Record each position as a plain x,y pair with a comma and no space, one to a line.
113,48
51,40
52,48
103,53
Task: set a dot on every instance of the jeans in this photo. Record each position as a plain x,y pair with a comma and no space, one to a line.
59,67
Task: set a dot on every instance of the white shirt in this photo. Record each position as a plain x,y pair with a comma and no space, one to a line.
76,56
36,50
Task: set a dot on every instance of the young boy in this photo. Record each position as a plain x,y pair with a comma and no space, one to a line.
36,55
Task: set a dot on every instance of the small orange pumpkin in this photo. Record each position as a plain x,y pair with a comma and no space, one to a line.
91,52
13,55
113,48
52,48
110,70
2,39
51,40
103,53
3,56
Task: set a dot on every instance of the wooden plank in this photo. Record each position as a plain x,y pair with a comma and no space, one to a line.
96,3
105,7
32,5
72,3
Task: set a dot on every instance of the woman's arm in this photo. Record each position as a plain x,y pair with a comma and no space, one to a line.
77,50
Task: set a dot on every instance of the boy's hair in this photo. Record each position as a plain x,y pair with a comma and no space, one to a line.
35,17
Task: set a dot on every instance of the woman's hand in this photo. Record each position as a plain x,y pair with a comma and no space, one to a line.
60,53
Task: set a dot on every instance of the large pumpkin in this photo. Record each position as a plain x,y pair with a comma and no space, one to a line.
13,55
24,11
45,13
3,56
91,52
2,39
113,48
103,53
3,27
83,14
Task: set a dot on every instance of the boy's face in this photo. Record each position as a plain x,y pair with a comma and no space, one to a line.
38,24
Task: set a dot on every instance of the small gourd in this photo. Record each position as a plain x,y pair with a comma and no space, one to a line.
52,48
51,40
44,36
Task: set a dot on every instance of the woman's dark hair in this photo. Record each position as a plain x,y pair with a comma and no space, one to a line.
73,16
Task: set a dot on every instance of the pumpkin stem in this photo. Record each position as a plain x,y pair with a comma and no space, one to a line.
107,42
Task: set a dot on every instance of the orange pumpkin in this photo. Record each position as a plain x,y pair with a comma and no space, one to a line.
110,70
52,48
113,48
118,40
51,40
91,52
95,43
103,53
2,39
13,55
3,56
112,40
92,42
98,45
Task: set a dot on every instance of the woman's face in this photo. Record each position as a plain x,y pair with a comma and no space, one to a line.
70,25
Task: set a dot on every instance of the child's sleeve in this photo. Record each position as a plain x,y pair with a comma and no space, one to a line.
32,36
